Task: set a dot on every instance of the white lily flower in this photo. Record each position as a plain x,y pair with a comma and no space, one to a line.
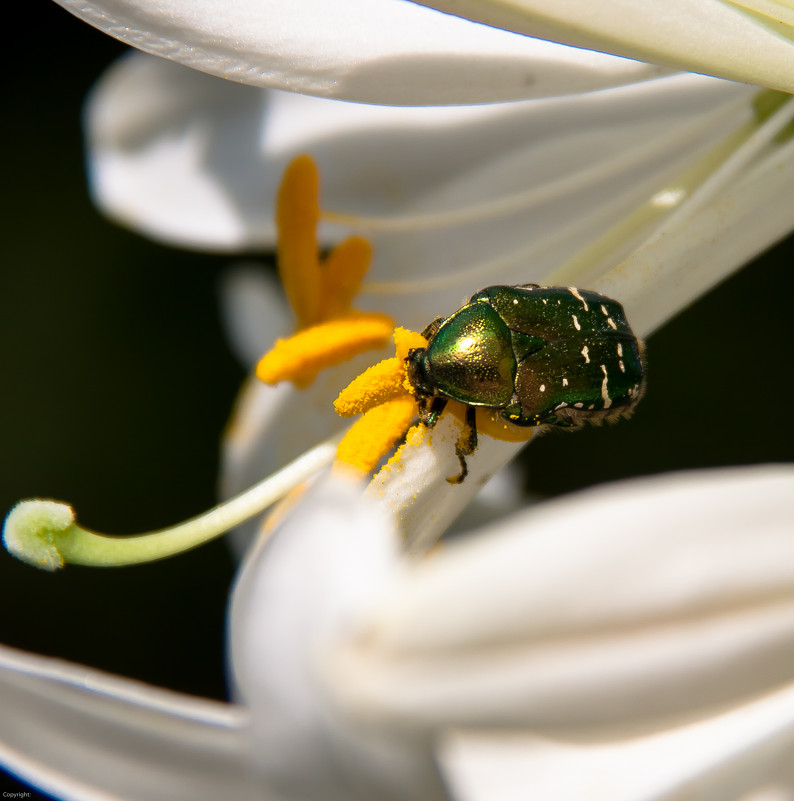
391,51
365,673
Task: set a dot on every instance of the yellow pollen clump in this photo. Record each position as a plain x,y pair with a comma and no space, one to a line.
383,395
405,340
491,424
376,385
381,382
375,434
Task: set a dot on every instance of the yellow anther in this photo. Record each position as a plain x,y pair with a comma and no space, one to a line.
378,384
341,276
382,393
321,294
381,382
297,216
376,433
301,356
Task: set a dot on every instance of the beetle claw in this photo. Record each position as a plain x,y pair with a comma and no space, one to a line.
464,470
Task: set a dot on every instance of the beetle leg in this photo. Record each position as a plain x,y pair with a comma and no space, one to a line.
466,444
429,417
430,331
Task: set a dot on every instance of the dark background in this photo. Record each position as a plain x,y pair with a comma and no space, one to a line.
117,381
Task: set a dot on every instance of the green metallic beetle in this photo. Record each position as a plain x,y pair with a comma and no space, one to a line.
539,355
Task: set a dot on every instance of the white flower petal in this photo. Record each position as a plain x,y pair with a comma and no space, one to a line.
370,51
623,607
86,735
749,41
743,754
171,154
193,160
305,586
196,162
700,250
425,504
580,168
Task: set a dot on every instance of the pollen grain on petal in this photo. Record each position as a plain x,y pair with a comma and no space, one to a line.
378,384
297,216
492,424
324,345
375,433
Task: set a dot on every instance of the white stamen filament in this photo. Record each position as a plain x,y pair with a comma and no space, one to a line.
694,187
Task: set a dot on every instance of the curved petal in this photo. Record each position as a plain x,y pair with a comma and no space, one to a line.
298,590
750,40
369,51
742,755
616,610
171,154
195,161
82,734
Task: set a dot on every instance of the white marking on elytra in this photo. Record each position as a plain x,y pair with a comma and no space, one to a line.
515,301
544,301
591,406
575,292
579,405
585,353
604,310
560,406
620,350
612,324
576,323
604,392
542,387
622,366
565,382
